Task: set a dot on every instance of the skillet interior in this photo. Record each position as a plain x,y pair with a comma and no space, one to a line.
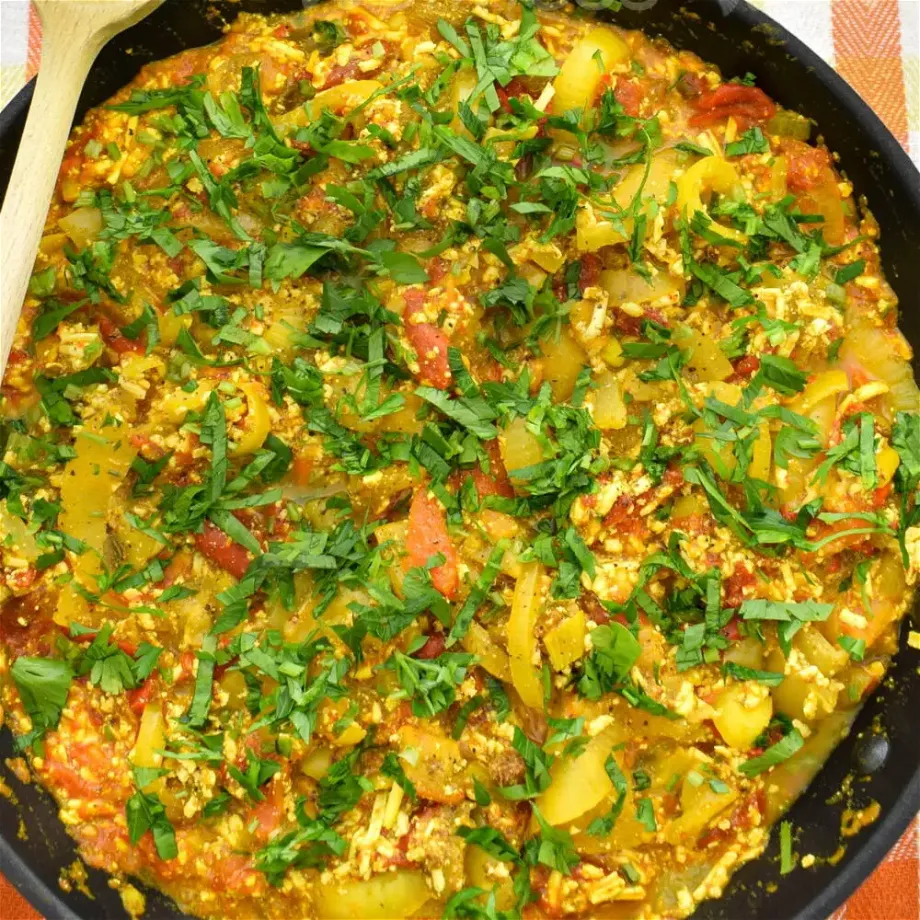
740,41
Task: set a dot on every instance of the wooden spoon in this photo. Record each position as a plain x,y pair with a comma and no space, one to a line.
74,32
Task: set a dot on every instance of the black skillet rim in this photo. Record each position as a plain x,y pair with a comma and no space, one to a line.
871,846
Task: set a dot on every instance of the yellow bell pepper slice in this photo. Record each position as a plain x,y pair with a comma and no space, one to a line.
522,640
711,174
257,422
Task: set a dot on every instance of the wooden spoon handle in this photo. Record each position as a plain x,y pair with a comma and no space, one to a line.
66,58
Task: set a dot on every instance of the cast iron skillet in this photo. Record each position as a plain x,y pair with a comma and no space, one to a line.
883,750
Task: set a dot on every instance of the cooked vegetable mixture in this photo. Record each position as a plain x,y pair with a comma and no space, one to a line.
459,461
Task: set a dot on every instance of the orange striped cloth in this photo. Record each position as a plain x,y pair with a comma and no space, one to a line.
873,44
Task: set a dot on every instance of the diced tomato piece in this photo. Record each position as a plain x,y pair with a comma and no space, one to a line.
268,813
620,510
673,477
250,742
179,567
742,817
603,85
624,517
339,73
112,336
748,105
394,721
735,584
185,67
806,166
496,481
514,88
434,646
626,514
258,521
834,564
399,858
430,343
490,370
219,548
187,661
301,469
880,495
129,648
146,447
437,268
629,94
747,366
854,541
589,271
177,263
83,774
427,536
141,696
71,164
236,874
21,580
26,625
690,85
632,325
591,604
